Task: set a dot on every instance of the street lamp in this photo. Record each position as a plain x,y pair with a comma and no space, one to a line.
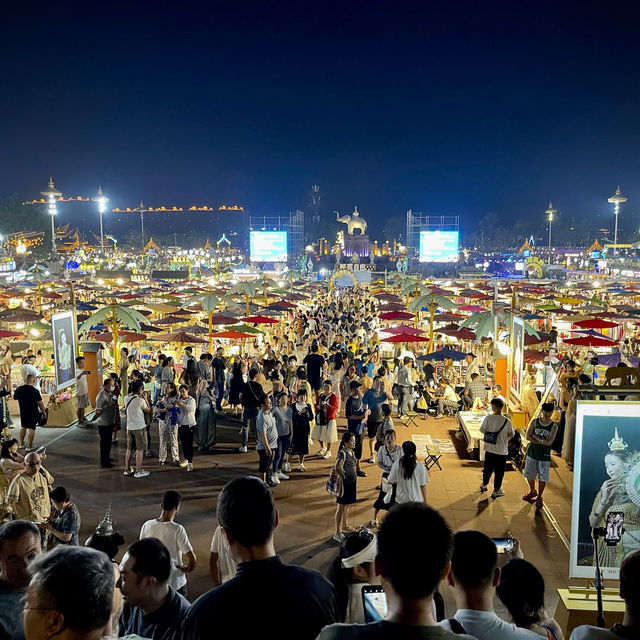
616,199
550,212
141,209
52,193
102,200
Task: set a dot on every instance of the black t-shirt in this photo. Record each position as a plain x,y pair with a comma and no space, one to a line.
252,394
163,624
251,602
428,371
354,407
219,365
314,362
28,398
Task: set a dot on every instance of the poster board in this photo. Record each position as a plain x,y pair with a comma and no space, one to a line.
516,357
607,449
65,340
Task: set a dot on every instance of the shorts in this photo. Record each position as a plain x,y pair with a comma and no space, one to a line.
315,383
136,439
265,460
372,428
536,469
83,401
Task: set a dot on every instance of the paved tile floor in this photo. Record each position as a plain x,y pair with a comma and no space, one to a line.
306,510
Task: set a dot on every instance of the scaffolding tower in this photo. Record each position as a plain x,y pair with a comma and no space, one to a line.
293,224
417,222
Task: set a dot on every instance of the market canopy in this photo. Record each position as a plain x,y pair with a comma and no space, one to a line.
178,336
231,334
395,315
442,354
590,341
597,323
405,337
260,320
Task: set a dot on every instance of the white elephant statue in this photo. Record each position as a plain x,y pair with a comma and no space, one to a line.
354,221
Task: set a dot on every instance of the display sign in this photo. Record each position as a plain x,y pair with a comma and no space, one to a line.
268,246
63,329
439,246
606,481
517,356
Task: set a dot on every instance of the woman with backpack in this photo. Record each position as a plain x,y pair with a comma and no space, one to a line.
409,475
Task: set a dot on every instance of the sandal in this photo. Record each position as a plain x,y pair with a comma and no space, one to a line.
349,529
373,523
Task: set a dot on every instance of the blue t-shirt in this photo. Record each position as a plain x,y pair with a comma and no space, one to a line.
374,400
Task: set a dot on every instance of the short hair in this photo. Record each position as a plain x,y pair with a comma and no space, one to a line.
328,382
497,402
630,583
548,406
247,511
78,582
253,373
583,378
189,349
401,537
15,529
170,500
521,590
30,378
135,386
407,360
474,558
475,376
203,356
107,381
78,358
497,387
60,494
152,559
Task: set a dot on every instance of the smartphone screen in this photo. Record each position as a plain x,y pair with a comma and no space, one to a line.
375,603
503,545
615,520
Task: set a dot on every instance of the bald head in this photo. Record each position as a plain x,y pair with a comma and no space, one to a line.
32,463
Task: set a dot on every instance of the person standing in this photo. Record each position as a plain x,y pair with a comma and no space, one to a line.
388,453
222,567
82,390
314,362
373,400
168,424
346,469
301,417
540,434
206,420
31,409
64,523
472,367
219,365
495,453
168,375
135,407
175,538
356,414
29,492
266,442
284,425
405,384
28,367
187,421
325,430
104,417
251,399
409,476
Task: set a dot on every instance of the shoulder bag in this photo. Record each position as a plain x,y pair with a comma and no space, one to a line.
123,414
491,437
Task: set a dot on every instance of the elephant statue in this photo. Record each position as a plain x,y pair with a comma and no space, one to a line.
354,221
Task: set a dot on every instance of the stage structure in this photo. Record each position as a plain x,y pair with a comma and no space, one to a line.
434,240
291,224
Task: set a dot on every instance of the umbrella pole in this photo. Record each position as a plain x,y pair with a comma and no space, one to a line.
432,311
210,332
114,335
246,301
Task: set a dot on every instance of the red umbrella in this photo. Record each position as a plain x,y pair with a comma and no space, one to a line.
6,333
396,315
531,356
260,320
402,328
178,336
597,323
591,341
392,306
406,337
531,339
471,307
461,334
230,333
222,319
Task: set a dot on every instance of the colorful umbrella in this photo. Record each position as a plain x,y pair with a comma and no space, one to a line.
396,315
231,334
597,323
260,320
590,341
405,337
178,336
6,333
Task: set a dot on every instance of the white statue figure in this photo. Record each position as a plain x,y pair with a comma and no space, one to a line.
354,221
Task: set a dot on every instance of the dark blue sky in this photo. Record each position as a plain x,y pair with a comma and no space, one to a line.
445,107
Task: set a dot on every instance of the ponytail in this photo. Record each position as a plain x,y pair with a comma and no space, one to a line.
408,460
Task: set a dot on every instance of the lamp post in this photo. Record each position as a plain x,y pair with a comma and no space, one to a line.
102,200
52,193
616,199
141,209
550,213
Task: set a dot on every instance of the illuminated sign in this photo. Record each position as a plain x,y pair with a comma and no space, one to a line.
268,246
439,246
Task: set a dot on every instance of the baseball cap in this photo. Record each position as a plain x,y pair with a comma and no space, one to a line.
354,384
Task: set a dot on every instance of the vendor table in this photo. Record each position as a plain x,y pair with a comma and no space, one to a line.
470,422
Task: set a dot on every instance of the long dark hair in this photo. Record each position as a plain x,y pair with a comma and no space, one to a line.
6,445
192,371
342,577
172,394
408,460
521,590
346,436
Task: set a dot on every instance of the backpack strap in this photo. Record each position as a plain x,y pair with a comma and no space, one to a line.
456,627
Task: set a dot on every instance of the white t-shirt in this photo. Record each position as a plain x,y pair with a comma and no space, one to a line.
81,384
135,413
493,423
408,490
587,632
485,625
226,564
28,370
174,537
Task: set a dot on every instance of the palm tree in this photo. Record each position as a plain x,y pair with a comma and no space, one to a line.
431,301
210,303
248,289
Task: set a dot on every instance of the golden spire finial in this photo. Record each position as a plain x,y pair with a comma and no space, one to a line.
617,443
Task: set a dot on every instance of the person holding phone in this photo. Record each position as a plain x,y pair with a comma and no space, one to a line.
346,468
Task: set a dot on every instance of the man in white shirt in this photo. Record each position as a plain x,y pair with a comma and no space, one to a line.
28,368
175,538
474,577
472,367
630,593
222,566
82,390
135,405
495,454
447,398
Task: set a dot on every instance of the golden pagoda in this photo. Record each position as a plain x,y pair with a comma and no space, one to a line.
150,246
596,246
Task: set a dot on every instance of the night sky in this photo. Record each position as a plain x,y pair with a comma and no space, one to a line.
444,107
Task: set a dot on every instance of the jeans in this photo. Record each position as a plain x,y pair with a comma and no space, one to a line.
467,403
168,440
403,398
493,463
156,393
186,438
220,397
278,458
105,432
249,416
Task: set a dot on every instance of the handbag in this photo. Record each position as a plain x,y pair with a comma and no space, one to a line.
42,420
334,485
491,437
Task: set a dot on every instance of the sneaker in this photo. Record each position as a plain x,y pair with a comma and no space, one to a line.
274,478
282,476
27,449
176,463
338,537
127,472
189,466
497,494
162,462
483,488
286,467
148,453
373,524
21,445
242,450
321,452
301,467
530,496
183,464
326,455
371,459
143,473
271,483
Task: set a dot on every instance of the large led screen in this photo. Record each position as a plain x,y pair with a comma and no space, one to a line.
439,246
268,246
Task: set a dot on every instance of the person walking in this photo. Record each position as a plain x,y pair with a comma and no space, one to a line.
266,442
187,421
496,447
136,406
219,365
404,384
356,416
31,409
346,468
409,475
104,417
251,399
301,417
284,424
388,454
206,417
168,412
325,429
82,390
